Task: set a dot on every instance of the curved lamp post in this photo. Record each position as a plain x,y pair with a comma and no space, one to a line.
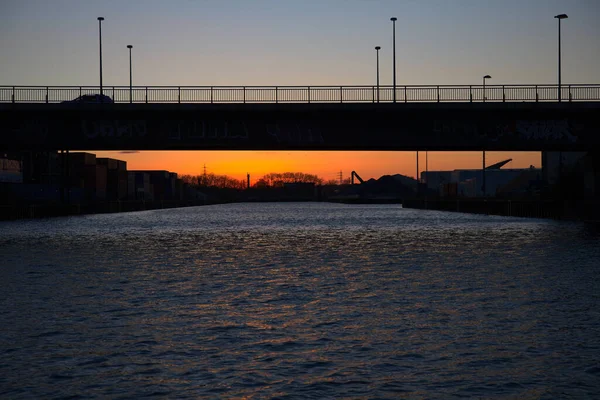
130,76
559,17
100,19
484,78
394,19
377,48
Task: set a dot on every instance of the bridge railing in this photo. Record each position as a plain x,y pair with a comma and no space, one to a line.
304,94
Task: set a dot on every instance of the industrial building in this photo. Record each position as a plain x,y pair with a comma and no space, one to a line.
80,178
492,181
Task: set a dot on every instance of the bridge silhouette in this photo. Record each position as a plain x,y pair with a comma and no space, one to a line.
304,94
445,117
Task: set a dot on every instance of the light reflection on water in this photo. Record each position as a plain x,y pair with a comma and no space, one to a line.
300,299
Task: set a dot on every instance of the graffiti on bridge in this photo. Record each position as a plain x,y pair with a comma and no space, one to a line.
544,130
30,130
204,130
114,128
290,133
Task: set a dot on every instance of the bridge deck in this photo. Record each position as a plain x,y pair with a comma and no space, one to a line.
510,126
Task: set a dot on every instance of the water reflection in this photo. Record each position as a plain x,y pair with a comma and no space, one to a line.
306,299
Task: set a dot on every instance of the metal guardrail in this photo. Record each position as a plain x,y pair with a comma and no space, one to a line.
304,94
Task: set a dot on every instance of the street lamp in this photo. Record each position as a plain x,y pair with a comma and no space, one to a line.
130,75
559,17
100,19
484,78
377,48
394,19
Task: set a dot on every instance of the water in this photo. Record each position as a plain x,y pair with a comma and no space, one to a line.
299,300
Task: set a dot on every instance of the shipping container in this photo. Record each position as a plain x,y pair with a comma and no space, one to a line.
101,182
138,186
110,163
82,158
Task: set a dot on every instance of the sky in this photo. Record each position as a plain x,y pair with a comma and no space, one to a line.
308,42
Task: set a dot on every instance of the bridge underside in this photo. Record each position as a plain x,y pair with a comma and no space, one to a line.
381,127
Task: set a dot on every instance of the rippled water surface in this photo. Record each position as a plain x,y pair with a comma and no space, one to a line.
299,300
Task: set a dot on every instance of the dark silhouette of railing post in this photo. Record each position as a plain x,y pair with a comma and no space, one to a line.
341,95
46,94
438,94
309,94
211,95
405,95
537,97
276,96
503,95
13,94
146,94
178,94
470,93
244,93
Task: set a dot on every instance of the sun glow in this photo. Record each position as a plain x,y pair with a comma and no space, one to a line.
325,164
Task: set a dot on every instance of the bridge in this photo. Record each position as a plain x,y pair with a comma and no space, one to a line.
445,117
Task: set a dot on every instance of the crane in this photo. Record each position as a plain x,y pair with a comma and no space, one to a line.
354,174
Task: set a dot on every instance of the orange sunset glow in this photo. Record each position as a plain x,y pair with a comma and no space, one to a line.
325,164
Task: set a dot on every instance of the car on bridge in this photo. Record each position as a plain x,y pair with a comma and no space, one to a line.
91,98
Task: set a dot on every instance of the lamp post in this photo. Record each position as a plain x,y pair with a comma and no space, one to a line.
394,19
484,78
130,76
100,19
559,17
377,48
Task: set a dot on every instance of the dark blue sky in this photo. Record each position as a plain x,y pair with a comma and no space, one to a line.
280,42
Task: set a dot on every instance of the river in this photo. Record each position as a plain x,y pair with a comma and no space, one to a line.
299,300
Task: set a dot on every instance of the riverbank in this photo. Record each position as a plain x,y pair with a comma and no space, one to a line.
30,211
525,208
552,209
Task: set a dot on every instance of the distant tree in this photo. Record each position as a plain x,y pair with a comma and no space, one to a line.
213,180
261,183
279,179
335,182
269,180
189,179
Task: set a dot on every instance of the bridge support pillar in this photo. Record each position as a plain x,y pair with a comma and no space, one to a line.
573,178
65,186
61,178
